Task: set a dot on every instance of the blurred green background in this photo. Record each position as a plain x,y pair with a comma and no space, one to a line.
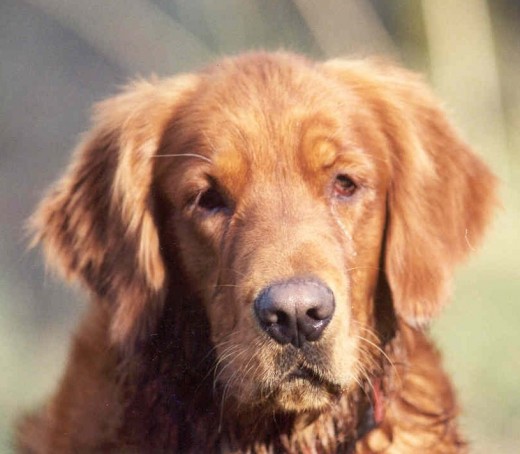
59,56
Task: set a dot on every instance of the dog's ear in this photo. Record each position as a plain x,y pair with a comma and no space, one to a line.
441,195
97,224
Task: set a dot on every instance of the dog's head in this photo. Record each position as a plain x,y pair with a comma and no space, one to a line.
291,190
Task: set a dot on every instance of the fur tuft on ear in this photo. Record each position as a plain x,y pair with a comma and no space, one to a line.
441,195
97,224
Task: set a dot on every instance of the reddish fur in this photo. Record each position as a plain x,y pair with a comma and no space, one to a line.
169,356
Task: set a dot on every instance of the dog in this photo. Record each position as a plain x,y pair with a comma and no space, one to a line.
264,242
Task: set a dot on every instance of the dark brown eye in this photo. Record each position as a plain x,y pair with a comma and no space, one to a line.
211,200
344,186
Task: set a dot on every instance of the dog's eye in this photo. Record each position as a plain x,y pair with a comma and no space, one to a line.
211,200
344,186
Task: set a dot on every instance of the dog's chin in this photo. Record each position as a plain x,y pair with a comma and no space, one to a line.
304,391
298,396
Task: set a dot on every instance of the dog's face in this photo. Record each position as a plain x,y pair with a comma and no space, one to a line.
277,189
288,186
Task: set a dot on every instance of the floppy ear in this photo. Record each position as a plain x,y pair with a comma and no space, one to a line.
441,195
97,224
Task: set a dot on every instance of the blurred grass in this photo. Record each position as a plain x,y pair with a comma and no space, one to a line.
479,335
32,359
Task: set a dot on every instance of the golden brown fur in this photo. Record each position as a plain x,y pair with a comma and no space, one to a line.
190,195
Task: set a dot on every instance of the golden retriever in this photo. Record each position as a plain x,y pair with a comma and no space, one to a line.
264,242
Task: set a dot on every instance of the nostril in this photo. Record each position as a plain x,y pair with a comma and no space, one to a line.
282,318
268,316
323,311
271,317
317,313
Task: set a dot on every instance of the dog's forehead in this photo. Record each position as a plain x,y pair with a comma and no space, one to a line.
272,117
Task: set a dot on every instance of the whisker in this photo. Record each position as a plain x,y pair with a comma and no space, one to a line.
379,349
230,351
235,271
212,350
369,382
369,358
231,381
358,371
367,329
187,155
363,267
248,366
342,226
210,142
221,416
216,346
229,364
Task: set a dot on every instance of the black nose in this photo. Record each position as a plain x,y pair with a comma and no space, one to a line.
295,311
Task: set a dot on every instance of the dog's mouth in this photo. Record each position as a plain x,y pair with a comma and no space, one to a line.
305,373
315,379
304,388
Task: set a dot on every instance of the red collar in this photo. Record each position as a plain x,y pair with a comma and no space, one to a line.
374,413
378,404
